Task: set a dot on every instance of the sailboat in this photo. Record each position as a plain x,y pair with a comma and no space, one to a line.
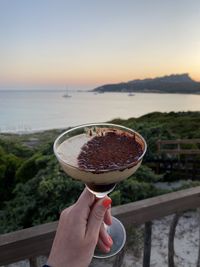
131,94
66,94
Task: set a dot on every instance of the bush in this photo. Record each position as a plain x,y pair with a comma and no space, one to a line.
33,188
31,166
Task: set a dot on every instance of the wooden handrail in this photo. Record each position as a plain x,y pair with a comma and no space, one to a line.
26,243
37,240
178,150
179,141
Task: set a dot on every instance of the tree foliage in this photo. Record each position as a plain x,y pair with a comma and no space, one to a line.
34,189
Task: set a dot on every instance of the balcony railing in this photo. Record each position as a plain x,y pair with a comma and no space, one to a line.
35,241
177,148
177,158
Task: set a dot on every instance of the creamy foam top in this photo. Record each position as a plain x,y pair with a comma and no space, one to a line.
71,148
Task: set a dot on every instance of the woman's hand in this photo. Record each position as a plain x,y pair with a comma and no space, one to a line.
80,229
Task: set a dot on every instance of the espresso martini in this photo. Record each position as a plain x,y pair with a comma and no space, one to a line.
101,157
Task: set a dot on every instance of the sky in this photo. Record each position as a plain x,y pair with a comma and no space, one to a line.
88,43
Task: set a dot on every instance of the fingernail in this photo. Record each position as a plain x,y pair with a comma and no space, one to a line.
107,202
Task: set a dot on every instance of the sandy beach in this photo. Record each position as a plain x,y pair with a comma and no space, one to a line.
186,244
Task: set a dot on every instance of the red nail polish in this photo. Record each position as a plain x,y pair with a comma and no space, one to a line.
107,202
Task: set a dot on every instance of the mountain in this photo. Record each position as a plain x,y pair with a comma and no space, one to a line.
175,83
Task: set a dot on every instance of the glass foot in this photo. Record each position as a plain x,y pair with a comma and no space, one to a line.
118,235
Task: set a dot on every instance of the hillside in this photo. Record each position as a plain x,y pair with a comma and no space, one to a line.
175,83
34,189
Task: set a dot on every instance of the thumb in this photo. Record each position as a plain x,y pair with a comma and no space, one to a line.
96,216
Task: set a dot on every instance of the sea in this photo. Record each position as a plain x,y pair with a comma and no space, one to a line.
28,111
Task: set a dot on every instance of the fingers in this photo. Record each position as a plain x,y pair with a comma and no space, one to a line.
101,245
96,217
66,211
84,204
104,236
108,217
86,198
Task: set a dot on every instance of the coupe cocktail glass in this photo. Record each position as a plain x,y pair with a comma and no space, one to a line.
100,180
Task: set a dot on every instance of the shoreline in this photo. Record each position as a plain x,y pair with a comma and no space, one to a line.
145,92
12,130
39,131
92,91
28,112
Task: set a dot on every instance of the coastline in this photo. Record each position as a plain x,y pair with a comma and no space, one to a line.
29,132
145,92
29,112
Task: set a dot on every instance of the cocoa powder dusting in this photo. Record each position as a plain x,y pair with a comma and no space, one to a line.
108,152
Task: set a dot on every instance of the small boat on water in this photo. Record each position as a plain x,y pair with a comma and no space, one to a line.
66,95
131,94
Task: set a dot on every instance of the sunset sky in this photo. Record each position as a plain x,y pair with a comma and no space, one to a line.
92,42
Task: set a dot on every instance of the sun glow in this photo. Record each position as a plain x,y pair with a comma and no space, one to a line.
66,45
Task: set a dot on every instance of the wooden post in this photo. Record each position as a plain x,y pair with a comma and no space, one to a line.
179,151
172,232
147,244
195,166
158,162
119,258
198,260
33,262
158,146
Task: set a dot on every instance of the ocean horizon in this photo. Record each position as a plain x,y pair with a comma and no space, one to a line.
24,111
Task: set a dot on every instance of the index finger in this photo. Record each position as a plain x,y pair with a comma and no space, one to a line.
84,204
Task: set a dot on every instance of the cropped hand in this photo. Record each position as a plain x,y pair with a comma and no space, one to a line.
80,229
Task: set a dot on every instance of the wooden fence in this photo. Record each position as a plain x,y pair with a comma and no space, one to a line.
179,146
179,157
35,241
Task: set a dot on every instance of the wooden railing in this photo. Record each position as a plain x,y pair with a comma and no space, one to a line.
177,149
35,241
178,158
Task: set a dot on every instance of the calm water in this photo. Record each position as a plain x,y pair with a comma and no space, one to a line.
38,110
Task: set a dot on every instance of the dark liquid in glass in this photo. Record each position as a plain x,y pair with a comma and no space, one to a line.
100,187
